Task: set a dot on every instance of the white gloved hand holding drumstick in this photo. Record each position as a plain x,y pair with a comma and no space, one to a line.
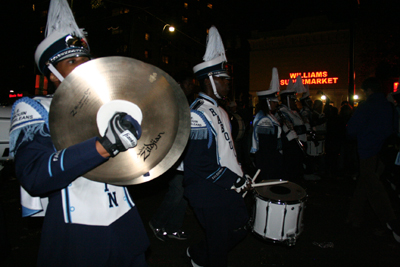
250,183
242,184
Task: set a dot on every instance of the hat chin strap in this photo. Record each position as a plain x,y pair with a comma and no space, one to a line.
288,102
213,86
269,106
55,72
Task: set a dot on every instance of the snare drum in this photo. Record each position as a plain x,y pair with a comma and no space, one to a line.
278,212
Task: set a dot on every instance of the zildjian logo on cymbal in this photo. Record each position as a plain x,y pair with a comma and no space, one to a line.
145,151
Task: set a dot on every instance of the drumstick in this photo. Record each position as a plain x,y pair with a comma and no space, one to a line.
269,183
252,180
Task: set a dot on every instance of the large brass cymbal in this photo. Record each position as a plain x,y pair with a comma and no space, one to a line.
105,83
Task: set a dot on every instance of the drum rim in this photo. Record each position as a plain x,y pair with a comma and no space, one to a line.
274,240
291,186
280,202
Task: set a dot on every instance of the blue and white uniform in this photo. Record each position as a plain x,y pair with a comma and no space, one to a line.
217,170
211,168
267,146
98,223
297,121
293,156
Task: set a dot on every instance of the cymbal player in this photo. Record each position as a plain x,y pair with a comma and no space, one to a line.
87,223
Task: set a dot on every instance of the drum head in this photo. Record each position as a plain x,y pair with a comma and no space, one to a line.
287,192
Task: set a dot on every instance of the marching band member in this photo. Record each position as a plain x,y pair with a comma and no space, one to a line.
315,144
211,166
294,133
266,139
86,223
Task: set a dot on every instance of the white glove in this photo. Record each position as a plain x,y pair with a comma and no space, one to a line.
242,183
122,133
291,135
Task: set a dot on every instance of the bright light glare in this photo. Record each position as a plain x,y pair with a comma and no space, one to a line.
95,81
171,28
323,97
355,96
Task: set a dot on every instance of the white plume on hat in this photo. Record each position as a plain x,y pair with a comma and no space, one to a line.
274,86
63,39
215,46
61,19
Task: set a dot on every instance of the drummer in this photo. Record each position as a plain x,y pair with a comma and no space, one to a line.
294,132
266,141
211,166
315,146
86,223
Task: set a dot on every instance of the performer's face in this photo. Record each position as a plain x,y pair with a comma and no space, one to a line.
273,105
66,66
292,102
222,86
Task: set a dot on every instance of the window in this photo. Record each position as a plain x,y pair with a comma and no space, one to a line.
165,59
122,49
116,30
119,11
186,5
184,19
210,6
147,36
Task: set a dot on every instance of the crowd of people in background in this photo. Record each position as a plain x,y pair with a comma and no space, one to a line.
336,144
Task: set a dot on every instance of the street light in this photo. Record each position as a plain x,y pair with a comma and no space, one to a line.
170,28
163,58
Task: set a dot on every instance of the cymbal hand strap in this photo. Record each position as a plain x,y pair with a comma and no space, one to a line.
121,134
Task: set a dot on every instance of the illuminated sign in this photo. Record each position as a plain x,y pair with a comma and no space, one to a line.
315,77
15,95
395,86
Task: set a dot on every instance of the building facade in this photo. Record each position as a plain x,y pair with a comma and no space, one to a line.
320,55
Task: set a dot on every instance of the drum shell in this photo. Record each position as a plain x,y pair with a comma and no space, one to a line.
281,218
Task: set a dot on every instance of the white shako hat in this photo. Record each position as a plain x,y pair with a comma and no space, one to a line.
290,89
272,93
63,39
289,92
214,60
306,94
299,86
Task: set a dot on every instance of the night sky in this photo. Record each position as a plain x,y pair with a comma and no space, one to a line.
381,18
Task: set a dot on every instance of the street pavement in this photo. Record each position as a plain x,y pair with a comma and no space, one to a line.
325,241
